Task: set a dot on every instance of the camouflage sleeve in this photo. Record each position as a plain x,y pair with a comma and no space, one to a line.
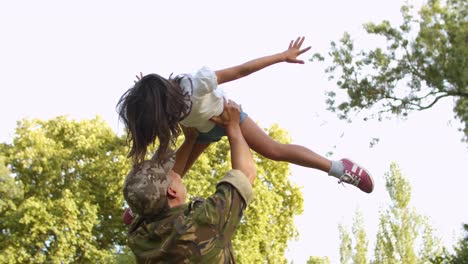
237,179
224,209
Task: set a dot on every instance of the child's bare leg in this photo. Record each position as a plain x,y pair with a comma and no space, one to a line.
197,150
260,142
344,169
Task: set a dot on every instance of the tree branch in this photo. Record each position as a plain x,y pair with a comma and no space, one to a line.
434,102
414,70
461,94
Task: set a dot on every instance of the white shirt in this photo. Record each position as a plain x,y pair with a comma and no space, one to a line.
207,99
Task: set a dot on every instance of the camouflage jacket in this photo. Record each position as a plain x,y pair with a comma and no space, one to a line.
197,232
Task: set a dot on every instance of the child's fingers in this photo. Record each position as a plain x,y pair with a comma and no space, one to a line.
297,41
300,42
304,50
139,77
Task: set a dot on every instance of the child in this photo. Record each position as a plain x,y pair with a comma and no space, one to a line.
155,106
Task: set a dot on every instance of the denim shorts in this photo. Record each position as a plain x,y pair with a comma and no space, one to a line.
216,133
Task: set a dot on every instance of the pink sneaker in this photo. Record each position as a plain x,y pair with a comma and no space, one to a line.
357,176
128,216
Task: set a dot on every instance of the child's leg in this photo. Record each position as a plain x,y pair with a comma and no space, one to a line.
260,142
197,150
345,170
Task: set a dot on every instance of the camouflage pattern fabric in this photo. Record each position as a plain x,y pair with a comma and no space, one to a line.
145,187
197,232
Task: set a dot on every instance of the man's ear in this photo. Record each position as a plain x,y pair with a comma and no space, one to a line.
171,192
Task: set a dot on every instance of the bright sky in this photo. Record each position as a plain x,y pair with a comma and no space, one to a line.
76,59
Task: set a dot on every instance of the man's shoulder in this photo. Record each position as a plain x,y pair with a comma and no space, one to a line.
240,183
233,193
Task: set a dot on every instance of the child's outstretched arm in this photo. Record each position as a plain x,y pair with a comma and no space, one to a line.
290,56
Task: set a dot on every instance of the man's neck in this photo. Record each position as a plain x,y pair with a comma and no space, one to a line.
175,203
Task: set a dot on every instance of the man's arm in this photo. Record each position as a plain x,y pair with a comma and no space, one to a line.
225,208
290,56
241,157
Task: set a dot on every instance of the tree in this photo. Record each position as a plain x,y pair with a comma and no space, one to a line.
400,227
403,235
428,53
63,197
358,253
431,245
71,175
461,250
346,247
124,256
318,260
11,192
360,245
460,256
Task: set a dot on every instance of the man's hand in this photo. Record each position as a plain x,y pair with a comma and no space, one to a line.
294,50
230,115
241,157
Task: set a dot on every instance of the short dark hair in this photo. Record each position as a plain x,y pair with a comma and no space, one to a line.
151,110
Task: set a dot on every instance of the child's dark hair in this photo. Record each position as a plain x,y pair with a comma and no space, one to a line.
151,110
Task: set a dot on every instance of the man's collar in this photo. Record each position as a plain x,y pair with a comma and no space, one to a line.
174,210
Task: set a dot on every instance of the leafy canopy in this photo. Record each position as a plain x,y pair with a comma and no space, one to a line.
424,61
61,181
403,236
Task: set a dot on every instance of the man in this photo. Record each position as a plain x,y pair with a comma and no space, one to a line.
168,230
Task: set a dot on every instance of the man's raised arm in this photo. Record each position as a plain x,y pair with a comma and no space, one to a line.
241,157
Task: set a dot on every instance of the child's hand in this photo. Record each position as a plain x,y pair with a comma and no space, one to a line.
294,51
138,77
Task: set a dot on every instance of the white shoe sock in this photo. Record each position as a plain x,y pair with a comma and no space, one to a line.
337,168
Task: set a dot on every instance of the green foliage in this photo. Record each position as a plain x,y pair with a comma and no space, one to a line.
360,245
431,245
460,256
268,222
318,260
403,236
10,191
425,60
62,200
346,247
400,227
353,249
461,250
70,176
124,257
